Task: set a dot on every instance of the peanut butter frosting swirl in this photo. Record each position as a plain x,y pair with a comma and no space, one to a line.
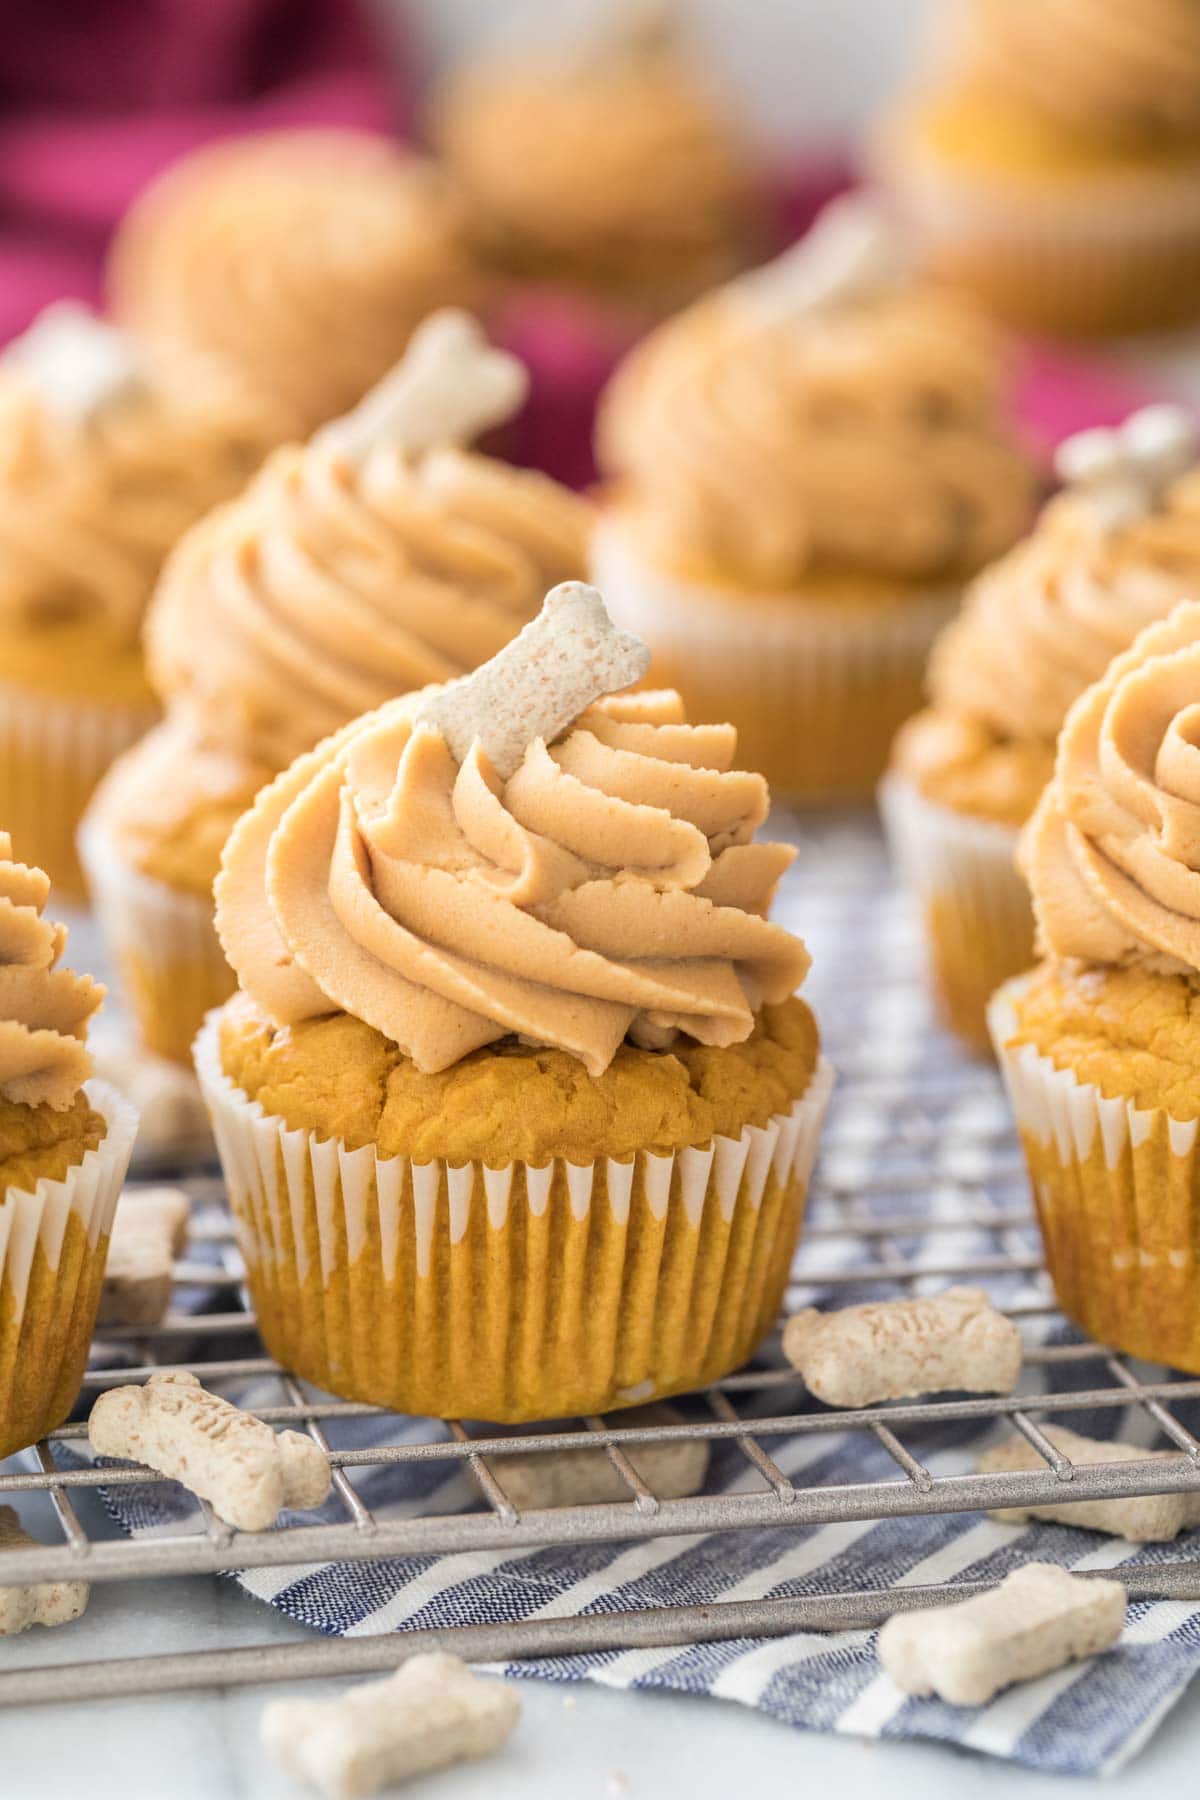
1046,621
1126,73
866,436
1113,852
303,258
335,583
44,1010
609,888
89,509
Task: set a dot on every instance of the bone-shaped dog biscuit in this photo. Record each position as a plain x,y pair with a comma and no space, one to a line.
43,1603
1038,1619
895,1349
854,251
448,387
534,1479
432,1712
247,1472
1123,472
535,687
1141,1518
76,363
149,1231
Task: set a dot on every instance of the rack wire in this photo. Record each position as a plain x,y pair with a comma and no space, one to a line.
947,1203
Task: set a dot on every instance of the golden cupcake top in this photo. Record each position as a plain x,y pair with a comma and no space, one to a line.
44,1009
378,558
1112,854
304,257
106,456
1121,73
610,163
823,414
1115,551
526,853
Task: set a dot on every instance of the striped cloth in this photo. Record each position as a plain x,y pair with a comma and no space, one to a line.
911,1123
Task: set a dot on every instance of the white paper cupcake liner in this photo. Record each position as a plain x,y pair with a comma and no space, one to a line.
817,688
519,1292
975,906
163,943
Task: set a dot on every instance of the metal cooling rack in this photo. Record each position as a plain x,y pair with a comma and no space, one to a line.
920,1183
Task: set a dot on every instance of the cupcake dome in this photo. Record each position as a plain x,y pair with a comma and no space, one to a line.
613,170
303,258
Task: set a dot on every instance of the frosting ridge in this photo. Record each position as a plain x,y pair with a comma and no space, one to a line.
44,1009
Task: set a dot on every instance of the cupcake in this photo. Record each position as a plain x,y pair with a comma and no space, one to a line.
1115,551
607,167
803,469
379,557
106,457
304,258
515,1103
1100,1044
1052,162
65,1143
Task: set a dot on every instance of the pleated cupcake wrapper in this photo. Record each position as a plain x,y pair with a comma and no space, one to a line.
817,688
521,1292
162,942
1117,1191
53,751
975,907
53,1245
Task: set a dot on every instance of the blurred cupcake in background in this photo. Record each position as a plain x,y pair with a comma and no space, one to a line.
1050,160
1114,552
107,455
803,469
65,1143
607,166
1100,1044
378,557
305,258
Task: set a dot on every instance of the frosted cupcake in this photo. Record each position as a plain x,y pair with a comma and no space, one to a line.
303,258
1100,1045
515,1104
803,470
380,556
65,1143
1117,550
607,166
105,459
1052,161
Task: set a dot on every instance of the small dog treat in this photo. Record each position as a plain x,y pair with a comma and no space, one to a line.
76,362
539,683
432,1712
247,1472
46,1602
587,1478
1141,1518
149,1231
854,252
1038,1619
448,387
1123,471
895,1349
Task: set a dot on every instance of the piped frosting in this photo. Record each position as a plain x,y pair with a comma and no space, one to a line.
44,1009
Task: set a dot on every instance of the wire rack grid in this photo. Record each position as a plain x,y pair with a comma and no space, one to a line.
920,1184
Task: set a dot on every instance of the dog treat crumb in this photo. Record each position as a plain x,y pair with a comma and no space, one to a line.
43,1603
895,1349
148,1233
432,1712
536,1479
1141,1518
450,386
535,687
1038,1619
247,1472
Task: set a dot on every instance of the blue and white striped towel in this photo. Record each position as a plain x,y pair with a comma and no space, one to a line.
910,1109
